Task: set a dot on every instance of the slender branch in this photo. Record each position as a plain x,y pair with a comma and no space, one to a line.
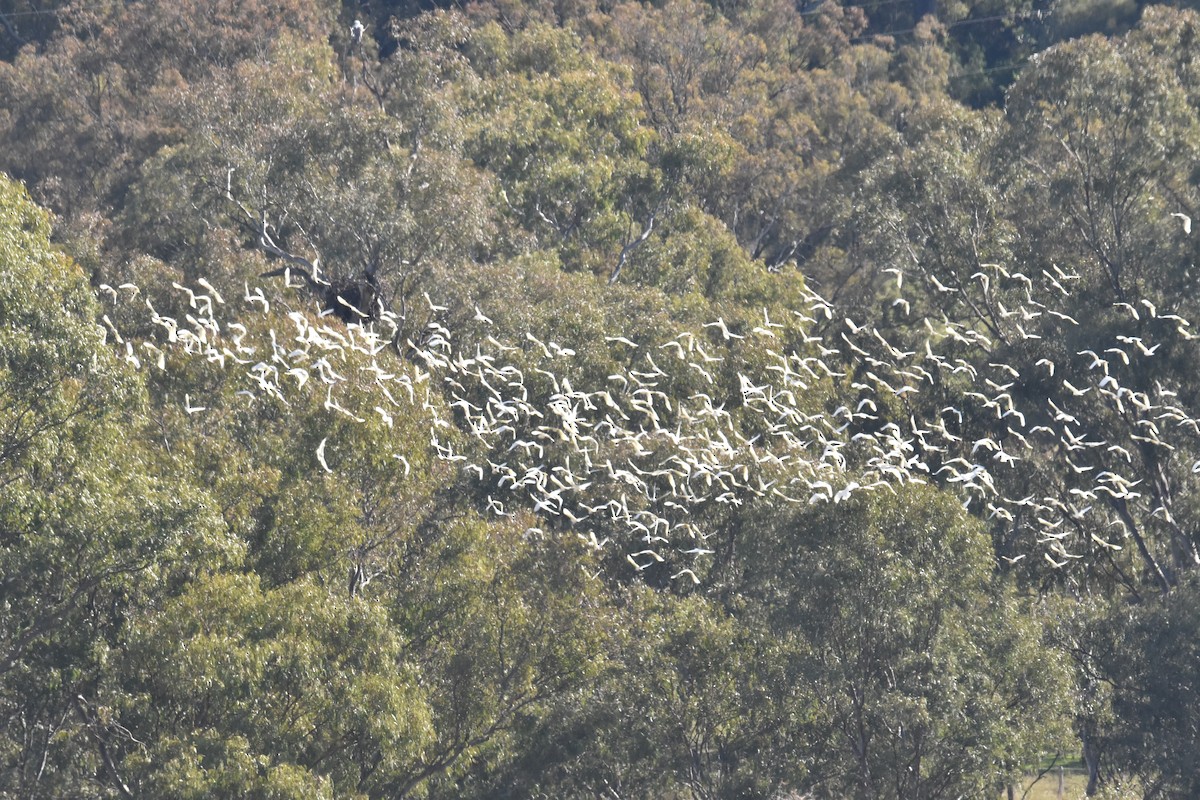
89,721
12,31
631,246
1122,509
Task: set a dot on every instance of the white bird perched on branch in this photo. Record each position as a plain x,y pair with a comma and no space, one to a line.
1187,222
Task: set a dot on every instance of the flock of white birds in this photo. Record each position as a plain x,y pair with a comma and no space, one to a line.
636,461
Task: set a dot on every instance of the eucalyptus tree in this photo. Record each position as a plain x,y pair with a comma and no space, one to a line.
94,527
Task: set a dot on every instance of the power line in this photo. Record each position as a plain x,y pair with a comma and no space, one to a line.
1000,68
947,25
43,12
821,7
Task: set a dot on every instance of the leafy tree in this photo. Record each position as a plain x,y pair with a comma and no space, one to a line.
695,700
268,693
1126,136
26,22
83,113
576,276
562,132
923,670
92,531
340,205
1149,664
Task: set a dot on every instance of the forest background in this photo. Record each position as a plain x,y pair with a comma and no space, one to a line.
598,399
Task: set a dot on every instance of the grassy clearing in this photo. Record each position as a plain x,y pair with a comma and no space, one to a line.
1074,786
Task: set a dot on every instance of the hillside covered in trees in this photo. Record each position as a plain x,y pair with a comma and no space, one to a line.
598,398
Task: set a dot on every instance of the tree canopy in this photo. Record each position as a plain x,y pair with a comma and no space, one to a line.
573,399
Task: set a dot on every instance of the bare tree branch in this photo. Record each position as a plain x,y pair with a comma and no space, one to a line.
631,246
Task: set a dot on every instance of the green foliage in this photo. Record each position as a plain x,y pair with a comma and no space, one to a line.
562,133
101,90
1137,663
923,671
576,399
270,693
92,528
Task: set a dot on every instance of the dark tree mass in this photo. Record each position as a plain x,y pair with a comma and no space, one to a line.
599,398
